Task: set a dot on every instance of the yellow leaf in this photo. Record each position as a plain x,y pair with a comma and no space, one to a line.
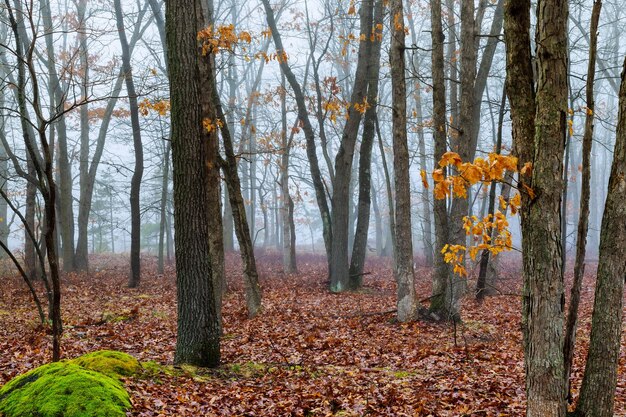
450,158
424,178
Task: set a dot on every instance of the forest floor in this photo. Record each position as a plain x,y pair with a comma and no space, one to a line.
309,353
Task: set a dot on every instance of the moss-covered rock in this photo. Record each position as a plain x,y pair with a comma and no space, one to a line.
109,362
63,389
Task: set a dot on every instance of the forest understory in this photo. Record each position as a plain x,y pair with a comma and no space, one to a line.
309,353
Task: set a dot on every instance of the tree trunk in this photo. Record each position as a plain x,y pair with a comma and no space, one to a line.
481,283
543,296
135,213
597,394
229,167
359,249
403,270
162,211
289,245
442,305
65,201
339,262
198,336
309,133
583,219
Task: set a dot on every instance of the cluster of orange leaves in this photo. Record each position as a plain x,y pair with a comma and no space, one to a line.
159,106
210,125
490,233
220,38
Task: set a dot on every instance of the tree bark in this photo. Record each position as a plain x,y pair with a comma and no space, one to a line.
135,185
309,133
359,249
543,295
597,394
403,270
198,336
442,305
583,214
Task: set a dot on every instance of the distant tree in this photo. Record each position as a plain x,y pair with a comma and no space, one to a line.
135,210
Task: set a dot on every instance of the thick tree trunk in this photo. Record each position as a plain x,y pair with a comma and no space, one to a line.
543,295
198,337
403,270
597,394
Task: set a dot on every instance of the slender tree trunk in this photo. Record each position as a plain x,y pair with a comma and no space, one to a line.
442,306
583,219
403,270
135,213
359,249
597,394
309,133
289,245
229,167
339,262
481,284
163,208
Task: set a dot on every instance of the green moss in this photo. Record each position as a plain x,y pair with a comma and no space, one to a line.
109,362
63,389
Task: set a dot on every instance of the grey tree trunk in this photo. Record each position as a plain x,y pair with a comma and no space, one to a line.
135,185
163,208
442,305
359,249
583,219
597,394
289,244
339,262
403,268
309,133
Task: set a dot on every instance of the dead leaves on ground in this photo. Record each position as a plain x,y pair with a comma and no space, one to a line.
309,353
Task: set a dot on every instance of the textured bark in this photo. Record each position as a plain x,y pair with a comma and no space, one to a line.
340,214
441,302
403,270
229,167
543,296
600,380
198,333
309,133
583,215
359,249
135,184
